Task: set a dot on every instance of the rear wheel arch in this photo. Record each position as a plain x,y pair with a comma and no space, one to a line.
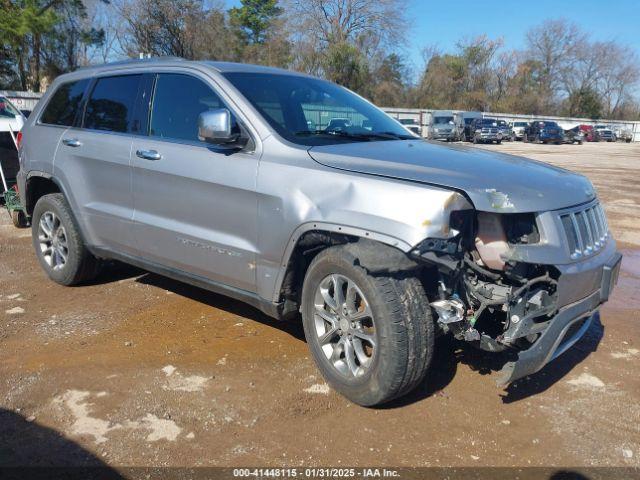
37,186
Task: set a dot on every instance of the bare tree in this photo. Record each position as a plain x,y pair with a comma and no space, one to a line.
106,17
192,29
373,25
619,74
344,40
553,45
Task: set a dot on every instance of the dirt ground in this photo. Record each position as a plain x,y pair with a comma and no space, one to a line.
139,370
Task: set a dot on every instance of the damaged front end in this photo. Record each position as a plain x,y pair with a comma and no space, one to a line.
488,296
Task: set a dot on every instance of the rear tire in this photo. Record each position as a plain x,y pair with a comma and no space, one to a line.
19,219
400,314
58,242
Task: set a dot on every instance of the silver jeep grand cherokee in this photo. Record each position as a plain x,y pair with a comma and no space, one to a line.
240,180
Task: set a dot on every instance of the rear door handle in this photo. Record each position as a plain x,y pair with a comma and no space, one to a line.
71,142
148,154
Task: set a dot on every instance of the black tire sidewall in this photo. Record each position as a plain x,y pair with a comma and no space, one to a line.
372,387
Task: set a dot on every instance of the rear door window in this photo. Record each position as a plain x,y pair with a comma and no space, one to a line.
178,100
65,104
112,102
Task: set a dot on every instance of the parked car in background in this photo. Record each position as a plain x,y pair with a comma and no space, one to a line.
338,124
442,126
605,134
544,132
518,129
590,134
485,130
411,125
506,131
11,120
464,126
624,134
574,135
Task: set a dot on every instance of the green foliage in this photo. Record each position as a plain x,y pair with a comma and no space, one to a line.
345,65
41,37
584,103
21,18
254,18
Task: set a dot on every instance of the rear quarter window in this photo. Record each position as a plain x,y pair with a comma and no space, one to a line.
64,104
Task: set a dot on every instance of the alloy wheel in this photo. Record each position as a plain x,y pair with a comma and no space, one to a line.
344,325
52,238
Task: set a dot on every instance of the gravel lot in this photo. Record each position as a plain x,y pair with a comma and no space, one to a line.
139,370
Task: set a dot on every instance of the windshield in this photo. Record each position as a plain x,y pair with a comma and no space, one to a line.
310,111
442,120
489,122
408,121
520,124
548,124
7,110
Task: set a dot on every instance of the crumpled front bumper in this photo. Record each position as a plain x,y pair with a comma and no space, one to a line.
567,327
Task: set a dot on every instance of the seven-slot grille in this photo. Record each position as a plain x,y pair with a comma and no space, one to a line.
586,230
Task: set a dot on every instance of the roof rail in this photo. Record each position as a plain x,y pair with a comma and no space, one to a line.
133,61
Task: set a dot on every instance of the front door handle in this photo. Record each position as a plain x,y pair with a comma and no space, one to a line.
71,142
148,154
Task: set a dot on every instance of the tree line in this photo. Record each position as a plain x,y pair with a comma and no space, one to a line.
361,44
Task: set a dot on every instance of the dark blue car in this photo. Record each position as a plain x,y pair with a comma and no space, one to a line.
544,132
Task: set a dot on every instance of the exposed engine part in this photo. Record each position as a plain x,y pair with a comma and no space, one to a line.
483,296
472,335
449,311
491,241
521,228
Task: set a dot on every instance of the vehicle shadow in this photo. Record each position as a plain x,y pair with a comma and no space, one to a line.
449,353
559,368
568,475
486,363
221,302
113,271
30,450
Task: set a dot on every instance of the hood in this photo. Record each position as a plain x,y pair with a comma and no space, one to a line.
493,181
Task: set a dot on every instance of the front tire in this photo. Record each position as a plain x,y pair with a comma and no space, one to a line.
58,243
370,336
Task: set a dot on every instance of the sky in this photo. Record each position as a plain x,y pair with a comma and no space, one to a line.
444,22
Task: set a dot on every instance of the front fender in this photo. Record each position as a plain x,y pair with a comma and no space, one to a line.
297,197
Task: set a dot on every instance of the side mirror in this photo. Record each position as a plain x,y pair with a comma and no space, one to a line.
214,126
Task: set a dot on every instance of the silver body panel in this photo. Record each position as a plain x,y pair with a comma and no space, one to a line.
234,218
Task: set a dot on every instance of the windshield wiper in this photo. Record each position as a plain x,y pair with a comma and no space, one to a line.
357,136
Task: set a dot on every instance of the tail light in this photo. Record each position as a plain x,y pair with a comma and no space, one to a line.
19,139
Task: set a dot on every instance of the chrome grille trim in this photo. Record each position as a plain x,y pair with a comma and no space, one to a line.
586,230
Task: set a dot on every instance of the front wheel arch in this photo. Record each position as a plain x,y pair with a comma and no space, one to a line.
305,244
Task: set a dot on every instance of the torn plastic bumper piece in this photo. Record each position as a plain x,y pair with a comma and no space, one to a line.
564,330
